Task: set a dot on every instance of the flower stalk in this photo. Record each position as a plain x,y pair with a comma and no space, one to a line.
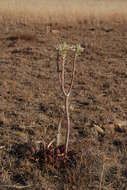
62,51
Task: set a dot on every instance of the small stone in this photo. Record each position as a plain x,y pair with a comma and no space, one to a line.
55,31
120,126
99,129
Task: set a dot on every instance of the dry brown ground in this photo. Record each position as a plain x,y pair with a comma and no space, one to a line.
31,104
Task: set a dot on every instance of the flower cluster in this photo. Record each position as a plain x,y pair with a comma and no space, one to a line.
63,48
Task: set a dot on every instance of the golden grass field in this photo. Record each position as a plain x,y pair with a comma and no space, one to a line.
56,10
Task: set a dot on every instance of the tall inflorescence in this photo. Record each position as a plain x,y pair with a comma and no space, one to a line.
62,51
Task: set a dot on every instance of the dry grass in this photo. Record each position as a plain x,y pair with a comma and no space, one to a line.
61,11
31,102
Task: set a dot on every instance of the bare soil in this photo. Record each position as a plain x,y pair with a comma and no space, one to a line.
31,104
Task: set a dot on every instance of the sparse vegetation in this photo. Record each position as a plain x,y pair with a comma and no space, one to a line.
31,102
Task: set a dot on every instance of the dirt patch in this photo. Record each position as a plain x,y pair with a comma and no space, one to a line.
32,103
